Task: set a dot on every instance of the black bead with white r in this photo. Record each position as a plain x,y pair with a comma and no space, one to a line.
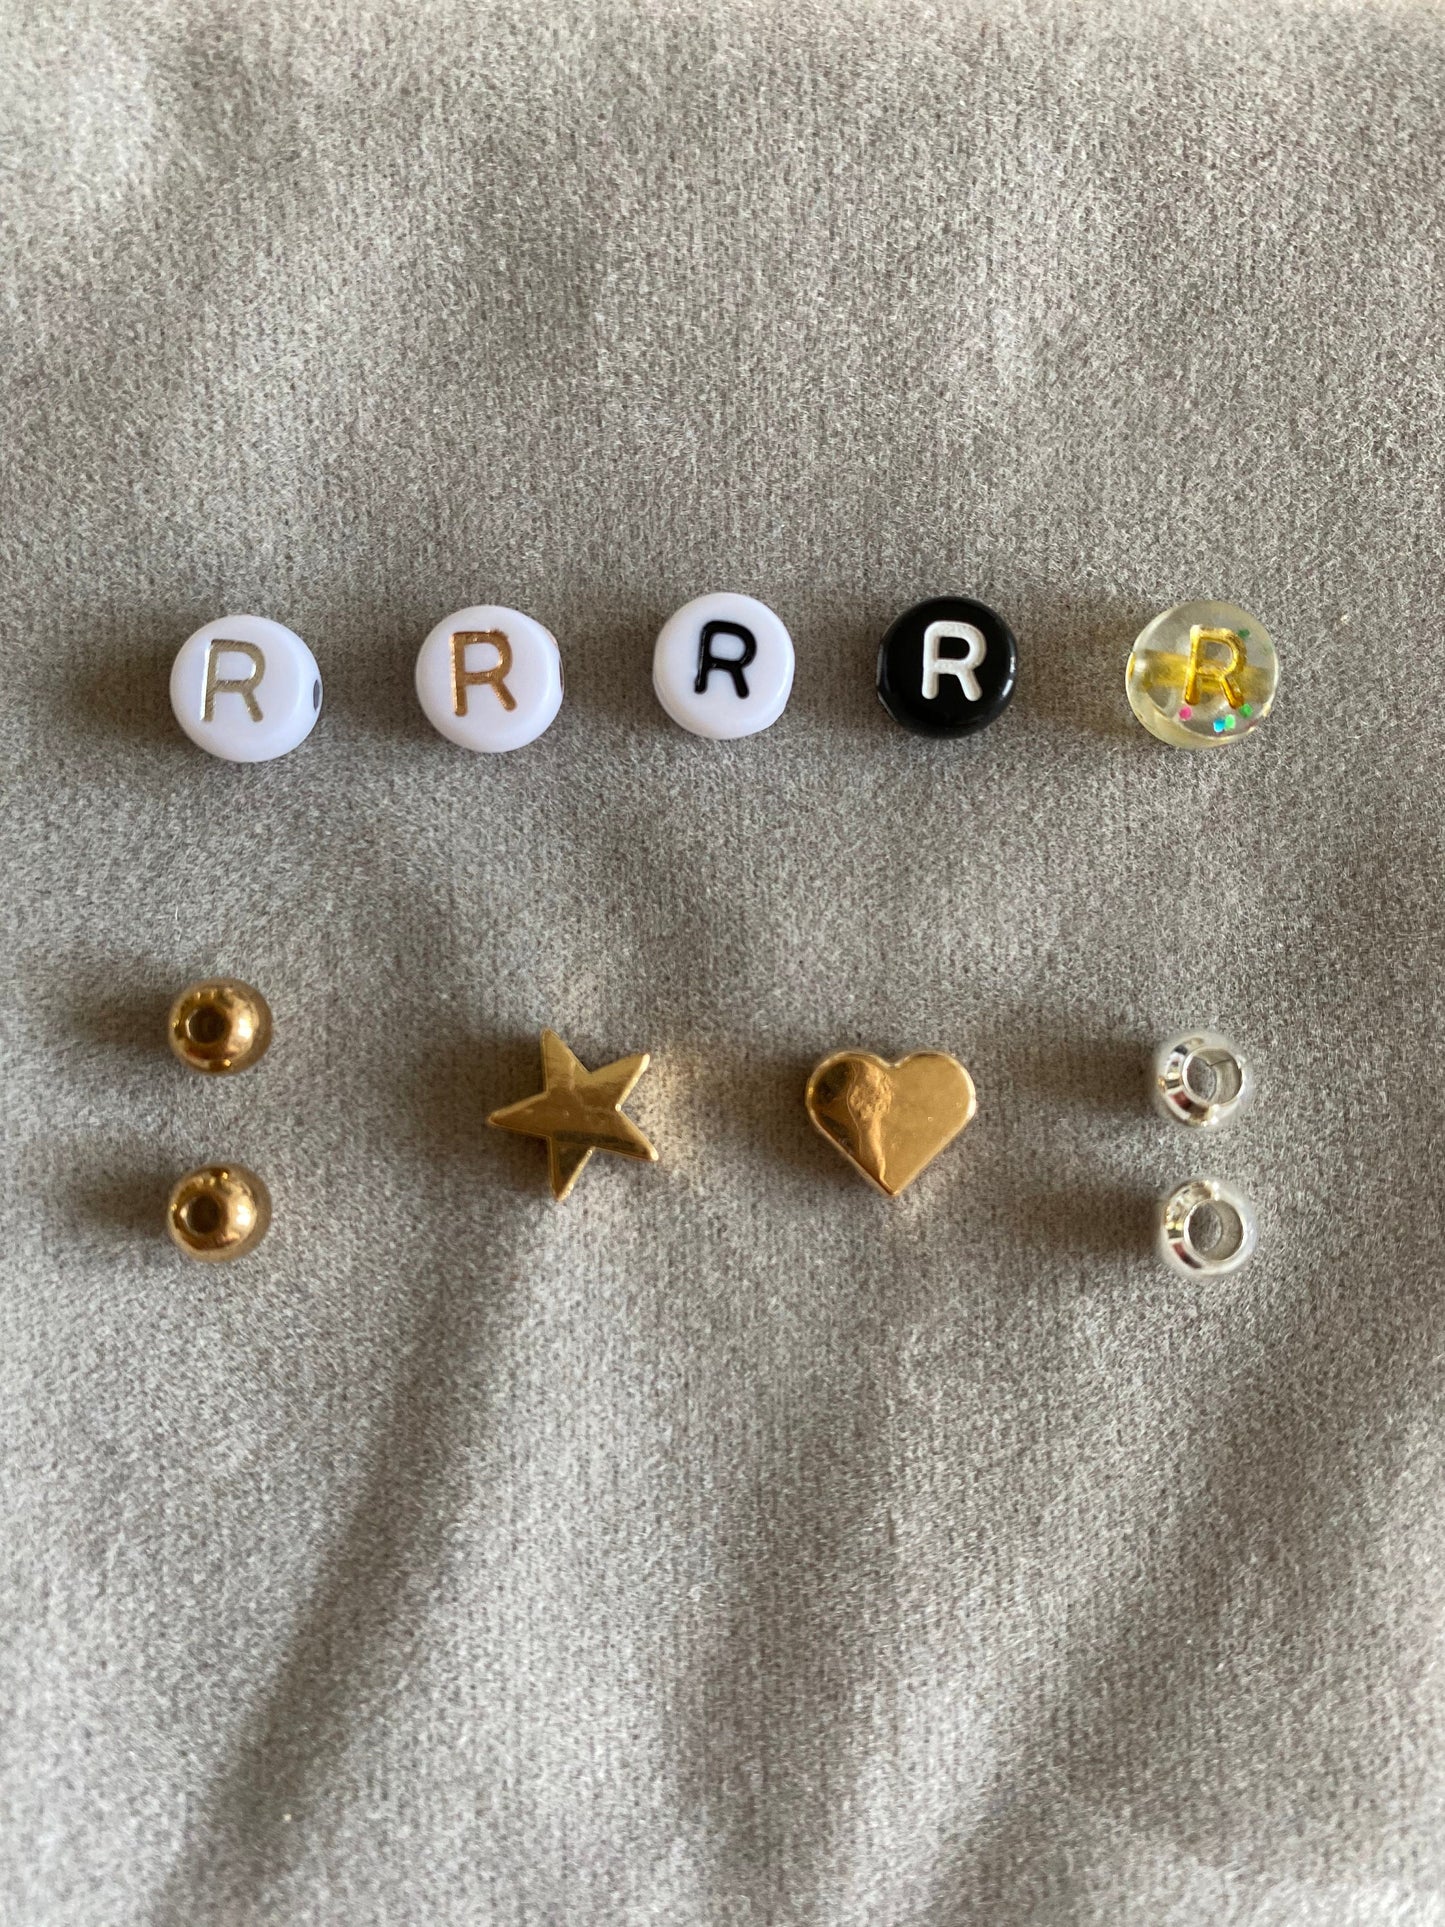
947,667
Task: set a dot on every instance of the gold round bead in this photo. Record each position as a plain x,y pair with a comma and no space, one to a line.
219,1212
220,1025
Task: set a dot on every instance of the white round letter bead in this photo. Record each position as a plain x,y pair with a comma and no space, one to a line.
246,689
490,678
740,654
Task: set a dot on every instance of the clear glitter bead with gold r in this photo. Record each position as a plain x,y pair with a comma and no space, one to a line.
1202,674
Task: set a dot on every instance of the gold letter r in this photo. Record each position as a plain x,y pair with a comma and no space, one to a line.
1207,673
495,677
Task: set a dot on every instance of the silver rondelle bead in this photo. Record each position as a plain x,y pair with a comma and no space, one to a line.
1201,1080
1207,1229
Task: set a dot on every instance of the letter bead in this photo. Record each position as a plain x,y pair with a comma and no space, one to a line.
1202,674
947,667
723,666
246,689
490,678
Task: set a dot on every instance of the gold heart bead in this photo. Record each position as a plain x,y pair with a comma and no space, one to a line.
890,1120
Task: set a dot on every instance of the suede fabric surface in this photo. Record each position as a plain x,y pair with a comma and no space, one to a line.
729,1545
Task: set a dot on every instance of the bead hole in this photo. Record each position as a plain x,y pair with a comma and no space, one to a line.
1212,1077
1201,1079
202,1216
206,1025
1214,1231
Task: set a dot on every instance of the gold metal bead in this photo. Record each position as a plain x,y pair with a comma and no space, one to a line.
890,1120
577,1112
220,1212
220,1025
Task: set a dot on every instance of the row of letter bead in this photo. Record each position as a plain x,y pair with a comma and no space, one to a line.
490,679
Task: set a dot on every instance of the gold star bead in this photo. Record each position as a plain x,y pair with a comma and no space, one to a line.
578,1112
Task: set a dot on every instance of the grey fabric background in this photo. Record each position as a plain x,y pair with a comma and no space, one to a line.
726,1546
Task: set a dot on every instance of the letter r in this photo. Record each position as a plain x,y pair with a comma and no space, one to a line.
494,678
1205,672
730,665
963,667
242,686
